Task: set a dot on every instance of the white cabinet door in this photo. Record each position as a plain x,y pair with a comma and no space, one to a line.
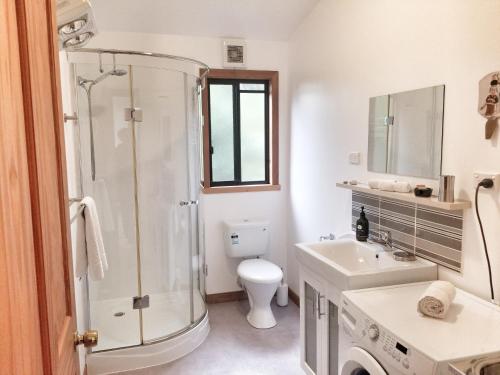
313,323
332,338
332,334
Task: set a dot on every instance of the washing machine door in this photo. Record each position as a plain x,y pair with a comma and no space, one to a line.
360,362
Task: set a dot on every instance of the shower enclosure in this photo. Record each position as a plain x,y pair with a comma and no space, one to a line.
139,140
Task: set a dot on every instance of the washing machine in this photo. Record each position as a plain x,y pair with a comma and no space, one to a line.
381,332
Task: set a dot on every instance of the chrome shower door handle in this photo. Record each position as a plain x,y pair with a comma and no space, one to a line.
188,203
132,114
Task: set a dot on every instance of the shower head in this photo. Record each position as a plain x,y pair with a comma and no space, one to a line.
114,72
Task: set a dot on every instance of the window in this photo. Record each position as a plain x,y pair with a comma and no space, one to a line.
239,132
240,110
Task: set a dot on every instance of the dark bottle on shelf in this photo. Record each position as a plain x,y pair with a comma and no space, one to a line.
362,227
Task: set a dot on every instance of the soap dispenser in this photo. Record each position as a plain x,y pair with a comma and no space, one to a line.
362,227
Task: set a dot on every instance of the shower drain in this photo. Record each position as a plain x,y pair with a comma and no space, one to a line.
120,313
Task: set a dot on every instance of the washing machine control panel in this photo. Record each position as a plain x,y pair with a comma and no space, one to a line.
393,348
386,347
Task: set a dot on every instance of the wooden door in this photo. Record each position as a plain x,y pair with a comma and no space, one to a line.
37,309
20,351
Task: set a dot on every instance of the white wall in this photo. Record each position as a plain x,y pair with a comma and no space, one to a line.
264,55
349,50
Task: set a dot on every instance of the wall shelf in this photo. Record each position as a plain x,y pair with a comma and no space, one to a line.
409,197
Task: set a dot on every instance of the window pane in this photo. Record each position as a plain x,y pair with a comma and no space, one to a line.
253,140
252,86
221,128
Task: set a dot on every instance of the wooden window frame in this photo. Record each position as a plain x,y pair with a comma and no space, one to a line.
272,77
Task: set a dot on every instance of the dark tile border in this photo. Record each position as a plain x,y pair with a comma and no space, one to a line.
410,222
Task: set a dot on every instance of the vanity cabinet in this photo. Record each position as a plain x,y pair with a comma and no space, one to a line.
319,329
349,264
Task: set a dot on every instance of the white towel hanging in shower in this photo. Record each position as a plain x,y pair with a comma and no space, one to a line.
96,260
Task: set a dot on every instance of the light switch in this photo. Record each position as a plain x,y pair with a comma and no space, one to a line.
355,158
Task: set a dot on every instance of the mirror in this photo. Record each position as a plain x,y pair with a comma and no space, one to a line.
406,133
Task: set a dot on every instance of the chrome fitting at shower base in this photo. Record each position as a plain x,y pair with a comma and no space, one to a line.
140,302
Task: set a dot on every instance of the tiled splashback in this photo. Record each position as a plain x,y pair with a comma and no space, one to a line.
428,232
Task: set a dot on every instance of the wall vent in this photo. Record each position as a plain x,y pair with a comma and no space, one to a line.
234,53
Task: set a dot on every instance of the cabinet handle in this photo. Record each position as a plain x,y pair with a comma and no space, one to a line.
315,303
318,305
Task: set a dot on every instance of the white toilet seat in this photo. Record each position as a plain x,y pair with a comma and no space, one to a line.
259,271
260,279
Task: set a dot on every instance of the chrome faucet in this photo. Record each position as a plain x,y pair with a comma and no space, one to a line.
330,237
384,238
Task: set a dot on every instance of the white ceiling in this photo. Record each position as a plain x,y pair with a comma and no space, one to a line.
250,19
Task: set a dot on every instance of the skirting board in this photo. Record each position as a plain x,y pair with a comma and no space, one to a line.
226,297
293,297
241,295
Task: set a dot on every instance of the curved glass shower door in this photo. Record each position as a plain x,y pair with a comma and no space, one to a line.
146,150
167,196
113,189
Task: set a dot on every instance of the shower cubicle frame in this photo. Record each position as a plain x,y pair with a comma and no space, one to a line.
204,318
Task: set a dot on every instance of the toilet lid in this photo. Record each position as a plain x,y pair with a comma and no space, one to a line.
259,271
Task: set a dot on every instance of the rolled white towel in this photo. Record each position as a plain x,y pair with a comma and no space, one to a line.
402,187
373,184
386,185
437,299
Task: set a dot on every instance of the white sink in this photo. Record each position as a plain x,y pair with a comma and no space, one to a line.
350,264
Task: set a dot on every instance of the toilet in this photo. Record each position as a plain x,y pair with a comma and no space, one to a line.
259,277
